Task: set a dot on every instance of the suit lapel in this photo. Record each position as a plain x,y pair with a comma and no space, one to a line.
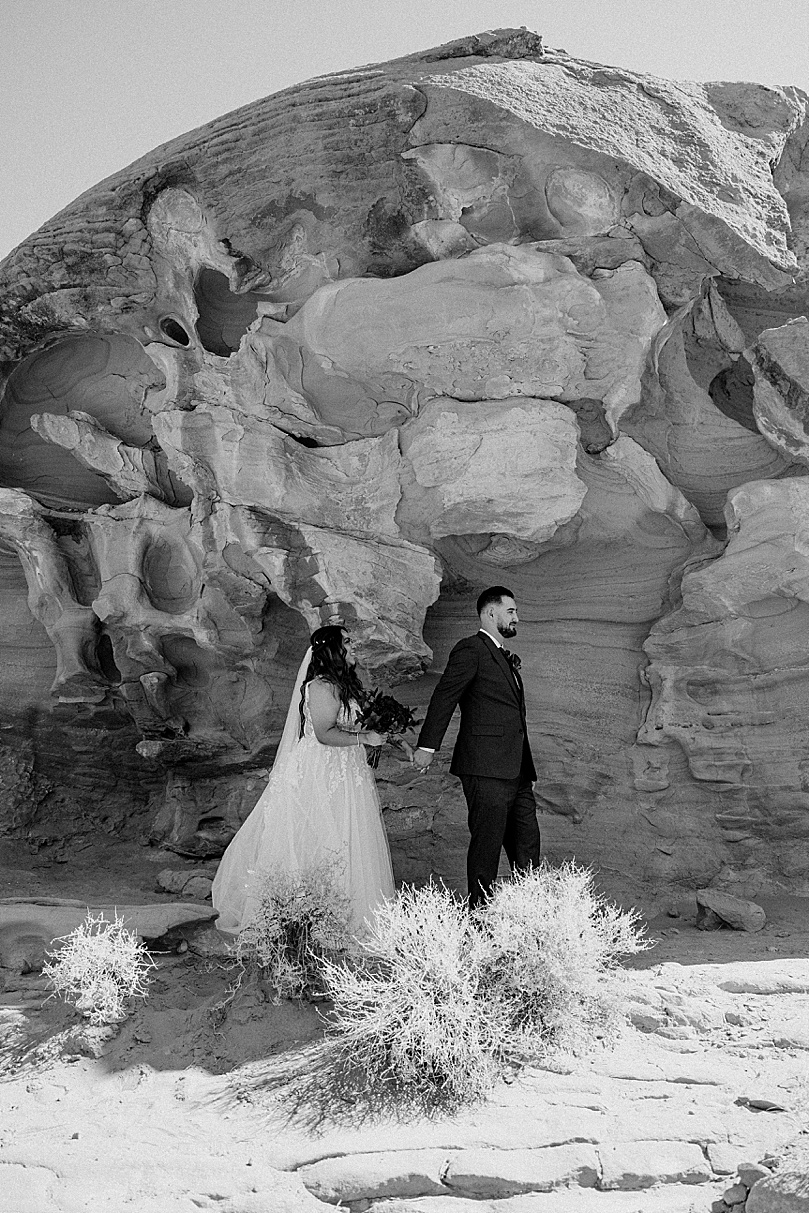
497,653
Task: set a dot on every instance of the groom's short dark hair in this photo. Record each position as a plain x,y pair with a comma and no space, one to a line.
495,593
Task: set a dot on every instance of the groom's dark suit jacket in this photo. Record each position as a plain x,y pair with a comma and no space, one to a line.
493,737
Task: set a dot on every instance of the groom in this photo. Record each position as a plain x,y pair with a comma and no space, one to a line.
492,756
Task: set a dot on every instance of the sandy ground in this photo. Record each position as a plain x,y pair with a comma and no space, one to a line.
195,1102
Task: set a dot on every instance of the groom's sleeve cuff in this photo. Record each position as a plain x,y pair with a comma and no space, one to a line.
427,749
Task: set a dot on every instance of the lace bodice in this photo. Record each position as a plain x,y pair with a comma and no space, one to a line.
337,763
345,719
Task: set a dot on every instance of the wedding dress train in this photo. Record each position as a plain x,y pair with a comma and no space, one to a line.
319,808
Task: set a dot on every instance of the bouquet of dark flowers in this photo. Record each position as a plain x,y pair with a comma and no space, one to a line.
384,714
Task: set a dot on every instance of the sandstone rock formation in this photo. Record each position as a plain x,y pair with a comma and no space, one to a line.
486,313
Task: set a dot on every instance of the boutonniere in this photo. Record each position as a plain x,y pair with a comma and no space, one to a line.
512,659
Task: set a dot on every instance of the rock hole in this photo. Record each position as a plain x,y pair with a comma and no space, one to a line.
169,575
172,329
732,393
105,657
224,317
191,665
74,544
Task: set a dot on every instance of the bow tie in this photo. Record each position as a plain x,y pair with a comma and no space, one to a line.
512,659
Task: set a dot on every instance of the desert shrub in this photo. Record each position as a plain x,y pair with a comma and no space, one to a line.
302,918
550,958
99,967
407,1019
442,1000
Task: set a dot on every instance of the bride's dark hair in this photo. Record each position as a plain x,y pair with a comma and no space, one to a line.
329,663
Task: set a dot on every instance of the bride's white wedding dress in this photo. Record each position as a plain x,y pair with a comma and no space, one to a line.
320,807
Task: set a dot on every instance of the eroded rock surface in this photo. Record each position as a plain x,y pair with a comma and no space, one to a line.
483,314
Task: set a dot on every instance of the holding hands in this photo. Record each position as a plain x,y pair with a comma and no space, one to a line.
422,759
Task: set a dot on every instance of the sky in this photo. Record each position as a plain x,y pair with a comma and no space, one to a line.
88,86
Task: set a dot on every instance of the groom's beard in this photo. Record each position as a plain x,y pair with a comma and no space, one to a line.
507,629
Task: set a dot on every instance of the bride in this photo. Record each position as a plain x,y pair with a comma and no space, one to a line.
320,804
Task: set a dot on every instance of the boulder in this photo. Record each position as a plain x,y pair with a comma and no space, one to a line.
787,1191
717,909
191,883
198,887
482,314
750,1172
780,363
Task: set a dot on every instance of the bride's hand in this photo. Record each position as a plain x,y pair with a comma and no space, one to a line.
400,743
371,738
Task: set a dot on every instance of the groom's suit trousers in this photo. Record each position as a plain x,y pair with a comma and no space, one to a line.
502,814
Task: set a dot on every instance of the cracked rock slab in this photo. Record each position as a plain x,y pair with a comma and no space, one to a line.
641,1164
483,1173
389,1173
669,1199
51,921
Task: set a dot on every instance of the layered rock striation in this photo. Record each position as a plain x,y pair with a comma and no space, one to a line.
483,314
